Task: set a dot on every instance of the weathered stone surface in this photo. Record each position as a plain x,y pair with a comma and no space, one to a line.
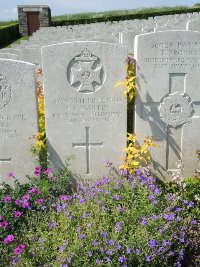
8,56
85,115
18,118
31,54
193,25
168,105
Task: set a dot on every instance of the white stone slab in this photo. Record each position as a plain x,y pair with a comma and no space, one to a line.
18,118
85,115
31,54
193,25
168,104
8,56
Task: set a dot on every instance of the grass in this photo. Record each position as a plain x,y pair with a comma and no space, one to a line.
114,13
88,15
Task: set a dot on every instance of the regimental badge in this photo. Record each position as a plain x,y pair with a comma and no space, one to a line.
86,72
5,91
175,109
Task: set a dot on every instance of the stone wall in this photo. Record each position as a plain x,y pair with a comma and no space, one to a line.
44,16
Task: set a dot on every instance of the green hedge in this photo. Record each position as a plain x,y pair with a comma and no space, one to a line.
142,15
8,34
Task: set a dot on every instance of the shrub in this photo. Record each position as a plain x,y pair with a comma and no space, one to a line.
120,220
8,34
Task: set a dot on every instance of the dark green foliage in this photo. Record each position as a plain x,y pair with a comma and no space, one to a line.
116,16
8,34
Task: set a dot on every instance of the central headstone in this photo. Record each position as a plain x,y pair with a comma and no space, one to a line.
168,104
85,115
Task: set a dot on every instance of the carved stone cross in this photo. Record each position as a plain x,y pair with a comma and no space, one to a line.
88,146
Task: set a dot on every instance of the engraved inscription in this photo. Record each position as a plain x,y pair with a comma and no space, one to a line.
6,125
175,109
5,91
87,109
86,73
175,55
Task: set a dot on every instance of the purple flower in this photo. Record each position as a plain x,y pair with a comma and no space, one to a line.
137,251
181,254
152,243
95,243
151,197
108,259
62,248
10,174
119,208
156,191
40,201
116,197
148,258
98,261
122,259
82,200
26,197
190,204
171,253
118,247
81,236
169,217
52,225
144,221
7,199
128,250
193,222
109,252
101,250
69,259
153,217
104,234
37,171
17,214
8,239
64,198
118,227
90,253
4,224
21,246
110,242
107,192
48,171
59,208
89,225
166,243
25,205
78,229
17,251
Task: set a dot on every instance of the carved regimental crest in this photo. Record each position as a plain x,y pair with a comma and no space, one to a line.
5,91
85,72
175,109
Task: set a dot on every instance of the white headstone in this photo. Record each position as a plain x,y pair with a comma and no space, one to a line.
168,102
85,115
18,118
8,56
193,25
